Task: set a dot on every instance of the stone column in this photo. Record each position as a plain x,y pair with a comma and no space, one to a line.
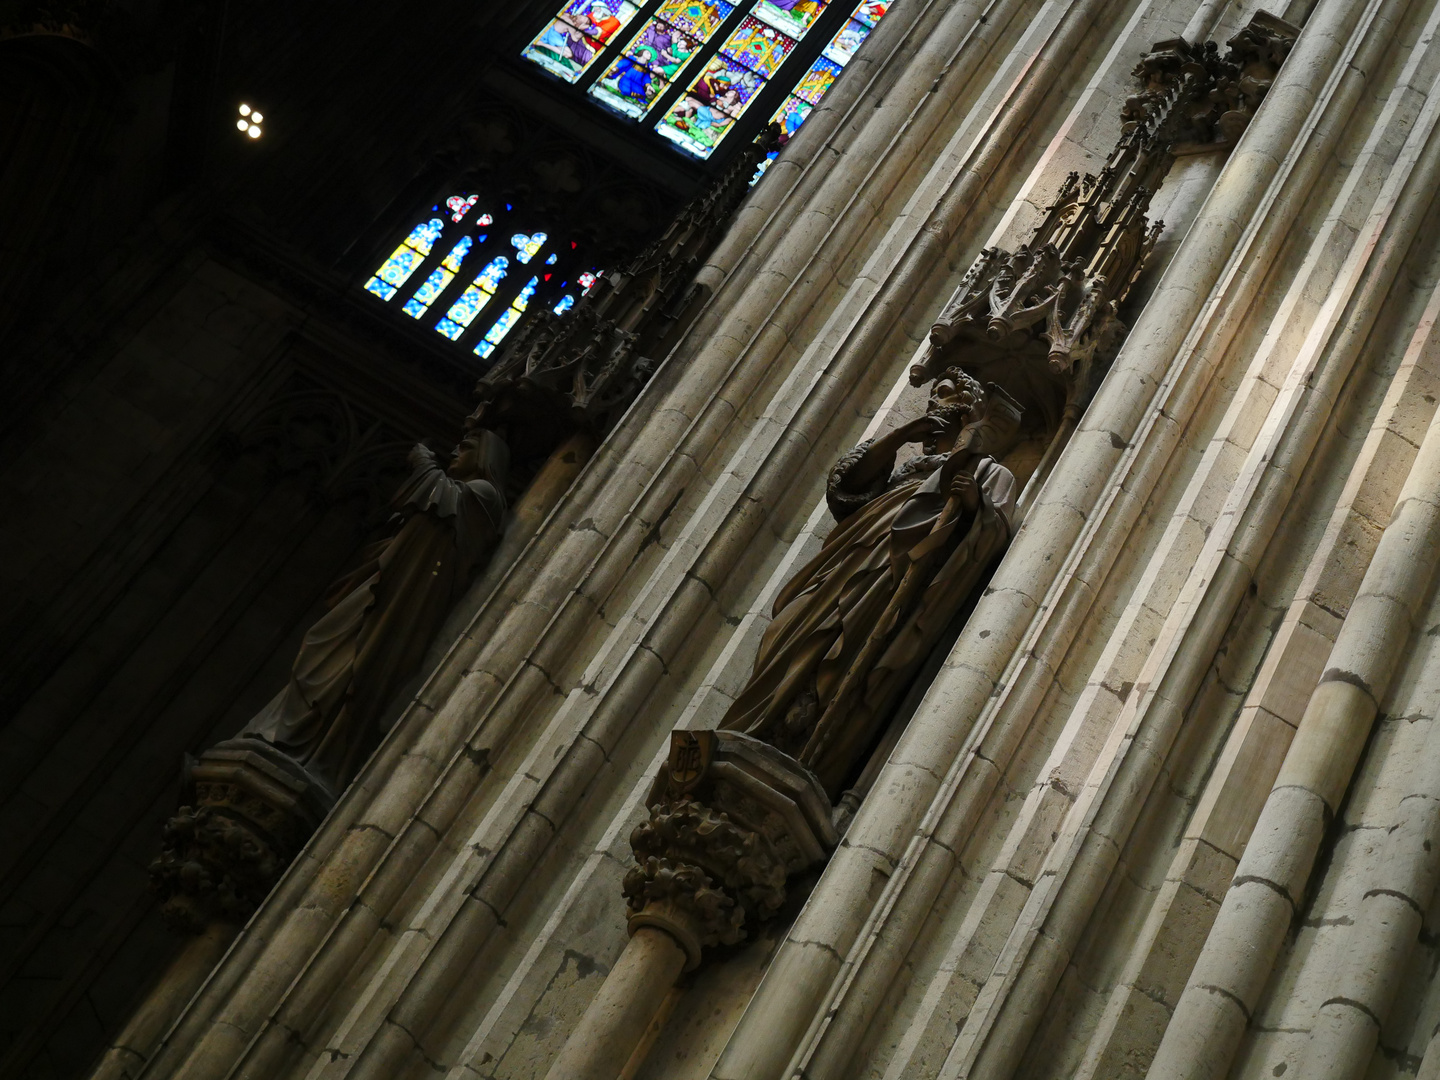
616,1022
1359,995
730,819
1271,878
136,1043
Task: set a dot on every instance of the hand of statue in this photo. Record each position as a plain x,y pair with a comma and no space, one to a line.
964,488
918,430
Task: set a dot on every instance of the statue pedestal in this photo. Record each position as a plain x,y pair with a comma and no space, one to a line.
731,818
251,809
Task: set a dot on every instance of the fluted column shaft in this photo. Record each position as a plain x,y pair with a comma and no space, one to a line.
1269,885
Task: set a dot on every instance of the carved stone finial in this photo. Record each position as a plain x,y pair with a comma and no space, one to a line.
580,370
1044,320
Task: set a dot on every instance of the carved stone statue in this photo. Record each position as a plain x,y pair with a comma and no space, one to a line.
853,626
384,613
255,799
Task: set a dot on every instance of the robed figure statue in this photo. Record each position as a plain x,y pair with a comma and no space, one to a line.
251,802
382,615
853,626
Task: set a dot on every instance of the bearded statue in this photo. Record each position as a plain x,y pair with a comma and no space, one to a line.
853,626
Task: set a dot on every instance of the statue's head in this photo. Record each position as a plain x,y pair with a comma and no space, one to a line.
956,399
481,455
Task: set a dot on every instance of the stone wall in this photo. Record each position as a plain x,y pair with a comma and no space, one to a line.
1103,845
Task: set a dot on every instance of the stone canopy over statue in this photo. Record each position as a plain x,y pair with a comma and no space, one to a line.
257,797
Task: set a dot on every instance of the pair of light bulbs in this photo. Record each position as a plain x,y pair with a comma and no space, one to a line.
249,121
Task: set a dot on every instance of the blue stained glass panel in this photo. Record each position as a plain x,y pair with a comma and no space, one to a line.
422,238
414,308
495,270
405,259
632,83
846,40
508,319
476,295
432,287
526,247
457,254
565,304
792,114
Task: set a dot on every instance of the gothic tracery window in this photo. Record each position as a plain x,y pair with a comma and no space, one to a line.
692,68
459,272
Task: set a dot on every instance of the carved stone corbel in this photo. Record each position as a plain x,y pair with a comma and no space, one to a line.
731,818
249,810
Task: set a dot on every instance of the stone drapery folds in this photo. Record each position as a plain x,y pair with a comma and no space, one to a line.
259,796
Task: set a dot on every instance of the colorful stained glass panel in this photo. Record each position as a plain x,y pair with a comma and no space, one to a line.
476,295
405,259
759,47
502,326
565,304
817,80
822,74
791,115
793,17
632,83
846,40
526,247
697,18
572,41
459,205
656,55
870,12
489,279
439,278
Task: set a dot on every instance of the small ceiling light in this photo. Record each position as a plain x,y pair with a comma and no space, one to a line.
249,121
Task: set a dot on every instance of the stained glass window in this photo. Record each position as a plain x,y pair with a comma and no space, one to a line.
479,293
441,276
527,246
658,53
692,68
821,74
502,326
396,270
578,34
458,265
